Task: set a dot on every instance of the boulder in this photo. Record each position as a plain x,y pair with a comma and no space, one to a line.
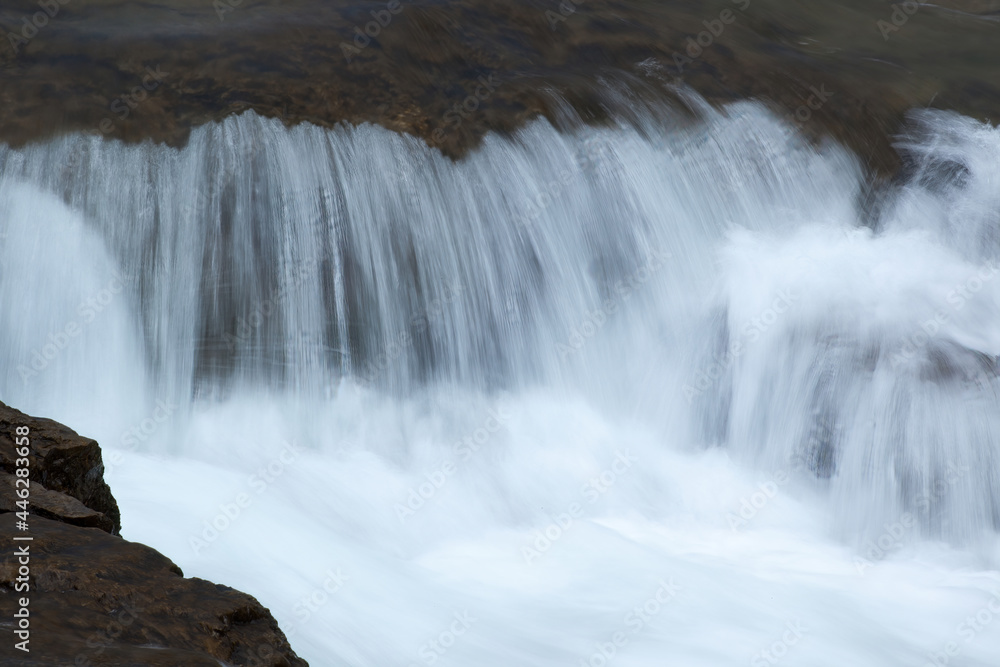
97,599
61,461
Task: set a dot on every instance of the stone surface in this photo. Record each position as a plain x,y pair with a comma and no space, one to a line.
53,505
292,59
61,461
97,599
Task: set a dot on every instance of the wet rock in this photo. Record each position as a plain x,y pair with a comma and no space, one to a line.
97,599
53,505
156,70
61,461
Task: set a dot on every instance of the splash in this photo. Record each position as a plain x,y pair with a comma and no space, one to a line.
522,395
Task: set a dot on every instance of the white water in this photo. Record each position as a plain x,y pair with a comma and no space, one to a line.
355,293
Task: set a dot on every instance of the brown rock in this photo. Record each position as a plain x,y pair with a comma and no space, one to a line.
288,60
61,461
97,599
52,505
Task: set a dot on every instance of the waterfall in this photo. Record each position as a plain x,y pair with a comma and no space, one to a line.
720,299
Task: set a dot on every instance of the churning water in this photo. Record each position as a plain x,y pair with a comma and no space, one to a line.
655,394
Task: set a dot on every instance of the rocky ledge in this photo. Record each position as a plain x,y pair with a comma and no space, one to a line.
450,72
97,599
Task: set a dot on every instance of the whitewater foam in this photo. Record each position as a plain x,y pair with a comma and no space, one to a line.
806,398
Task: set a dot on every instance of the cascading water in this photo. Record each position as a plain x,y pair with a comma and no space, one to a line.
526,387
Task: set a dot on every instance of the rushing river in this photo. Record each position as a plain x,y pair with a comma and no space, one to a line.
652,394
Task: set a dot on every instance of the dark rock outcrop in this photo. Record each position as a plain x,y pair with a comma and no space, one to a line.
54,505
97,599
157,69
62,462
